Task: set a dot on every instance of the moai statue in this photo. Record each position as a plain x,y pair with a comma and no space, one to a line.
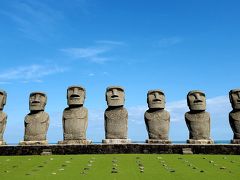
37,121
3,116
116,117
75,117
197,119
157,119
234,115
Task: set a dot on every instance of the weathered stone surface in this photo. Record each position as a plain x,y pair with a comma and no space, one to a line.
82,141
37,121
234,115
116,141
157,119
202,141
3,116
158,141
115,116
31,143
75,117
116,120
197,120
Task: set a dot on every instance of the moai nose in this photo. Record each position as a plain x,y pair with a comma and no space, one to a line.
114,93
156,95
37,98
238,94
197,96
75,91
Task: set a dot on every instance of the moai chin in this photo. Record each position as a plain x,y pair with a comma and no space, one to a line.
197,119
115,117
157,119
234,115
75,117
37,121
3,116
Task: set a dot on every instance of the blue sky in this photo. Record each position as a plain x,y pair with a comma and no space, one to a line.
176,46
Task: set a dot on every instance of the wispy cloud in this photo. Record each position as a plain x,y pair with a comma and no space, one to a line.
170,41
30,73
35,19
117,43
97,54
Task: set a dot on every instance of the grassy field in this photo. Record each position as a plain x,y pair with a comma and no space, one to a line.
120,166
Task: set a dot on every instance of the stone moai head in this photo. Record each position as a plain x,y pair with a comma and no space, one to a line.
37,101
156,99
3,99
234,96
115,96
196,100
75,95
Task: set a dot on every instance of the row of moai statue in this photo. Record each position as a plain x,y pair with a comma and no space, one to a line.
157,119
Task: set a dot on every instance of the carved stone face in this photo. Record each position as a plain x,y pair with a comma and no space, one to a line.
76,95
115,96
3,98
37,101
156,99
234,96
196,100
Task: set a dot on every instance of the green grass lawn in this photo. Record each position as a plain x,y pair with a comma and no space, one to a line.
121,166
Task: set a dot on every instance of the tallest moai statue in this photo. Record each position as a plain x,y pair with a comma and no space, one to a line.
3,116
115,116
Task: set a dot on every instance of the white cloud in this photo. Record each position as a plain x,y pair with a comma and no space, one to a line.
32,73
96,54
167,42
108,42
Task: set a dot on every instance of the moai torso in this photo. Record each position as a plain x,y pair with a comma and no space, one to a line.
75,121
197,119
234,120
198,125
116,123
234,115
36,126
3,116
115,116
157,123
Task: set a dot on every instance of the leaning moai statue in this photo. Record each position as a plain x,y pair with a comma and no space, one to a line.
197,119
37,121
157,119
75,117
234,115
115,116
3,116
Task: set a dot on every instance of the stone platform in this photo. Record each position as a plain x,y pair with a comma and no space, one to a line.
121,149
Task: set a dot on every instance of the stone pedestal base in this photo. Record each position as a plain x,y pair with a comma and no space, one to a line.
158,141
200,141
83,141
116,141
2,143
235,141
33,142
